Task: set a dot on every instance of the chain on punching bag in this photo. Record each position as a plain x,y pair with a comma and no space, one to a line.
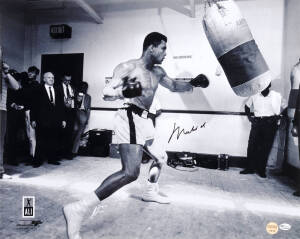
233,44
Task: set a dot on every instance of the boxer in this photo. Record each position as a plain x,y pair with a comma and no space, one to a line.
136,81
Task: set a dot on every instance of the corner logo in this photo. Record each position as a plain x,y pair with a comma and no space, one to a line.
285,226
28,208
272,228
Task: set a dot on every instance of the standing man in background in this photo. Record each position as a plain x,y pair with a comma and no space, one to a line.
48,118
295,75
7,80
68,132
82,115
30,85
267,107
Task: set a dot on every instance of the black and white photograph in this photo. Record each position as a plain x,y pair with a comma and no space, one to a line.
149,119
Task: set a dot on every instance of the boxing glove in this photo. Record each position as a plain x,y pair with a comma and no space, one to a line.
200,81
14,73
131,88
5,67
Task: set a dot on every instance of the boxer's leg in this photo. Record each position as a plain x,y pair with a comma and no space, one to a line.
151,193
155,168
131,157
158,160
75,212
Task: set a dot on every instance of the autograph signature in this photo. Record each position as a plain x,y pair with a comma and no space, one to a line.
183,131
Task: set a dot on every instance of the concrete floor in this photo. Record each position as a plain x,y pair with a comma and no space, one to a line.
205,203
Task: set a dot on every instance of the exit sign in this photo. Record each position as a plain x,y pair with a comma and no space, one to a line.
60,31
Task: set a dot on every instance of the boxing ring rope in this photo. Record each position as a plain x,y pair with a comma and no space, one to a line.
204,112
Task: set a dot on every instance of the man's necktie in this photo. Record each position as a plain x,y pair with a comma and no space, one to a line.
68,92
79,103
51,95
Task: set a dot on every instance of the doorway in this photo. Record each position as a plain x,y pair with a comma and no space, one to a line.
60,64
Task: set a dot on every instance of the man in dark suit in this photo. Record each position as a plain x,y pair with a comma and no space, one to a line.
29,85
48,118
82,115
67,134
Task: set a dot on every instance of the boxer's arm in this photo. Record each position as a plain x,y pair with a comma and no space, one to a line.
283,108
297,111
113,90
10,80
174,85
283,104
295,121
295,77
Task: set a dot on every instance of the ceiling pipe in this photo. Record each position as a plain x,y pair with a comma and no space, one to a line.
92,13
193,8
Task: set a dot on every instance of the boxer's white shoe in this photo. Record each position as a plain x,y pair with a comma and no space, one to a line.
74,215
75,212
151,194
97,210
5,176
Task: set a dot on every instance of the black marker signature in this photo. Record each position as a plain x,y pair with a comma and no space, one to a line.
183,131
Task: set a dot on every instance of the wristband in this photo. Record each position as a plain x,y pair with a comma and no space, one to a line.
145,114
119,92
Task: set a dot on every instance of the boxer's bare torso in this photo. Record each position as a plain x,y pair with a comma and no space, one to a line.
295,76
149,79
147,71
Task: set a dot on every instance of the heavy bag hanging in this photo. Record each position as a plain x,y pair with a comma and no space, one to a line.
233,44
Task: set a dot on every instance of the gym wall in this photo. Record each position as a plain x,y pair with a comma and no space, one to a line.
12,36
120,38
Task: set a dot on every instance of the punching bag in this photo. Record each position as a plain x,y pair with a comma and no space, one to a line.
233,44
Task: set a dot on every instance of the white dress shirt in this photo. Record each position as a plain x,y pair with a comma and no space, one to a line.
65,87
82,103
47,87
70,90
266,106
